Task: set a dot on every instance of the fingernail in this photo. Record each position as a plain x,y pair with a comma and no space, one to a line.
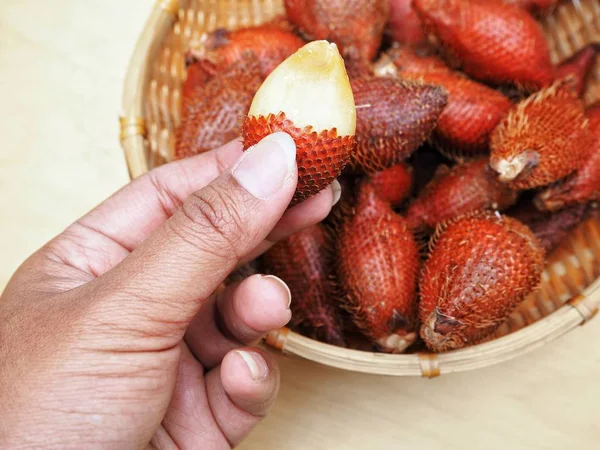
280,285
256,364
264,168
336,187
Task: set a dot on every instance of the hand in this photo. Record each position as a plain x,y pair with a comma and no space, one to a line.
111,335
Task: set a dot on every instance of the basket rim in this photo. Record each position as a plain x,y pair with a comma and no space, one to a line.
577,311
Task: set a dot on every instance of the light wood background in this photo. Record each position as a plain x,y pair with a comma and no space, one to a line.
62,64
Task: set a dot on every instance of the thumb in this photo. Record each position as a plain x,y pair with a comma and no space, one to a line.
164,281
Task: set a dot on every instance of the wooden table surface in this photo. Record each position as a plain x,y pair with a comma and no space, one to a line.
61,70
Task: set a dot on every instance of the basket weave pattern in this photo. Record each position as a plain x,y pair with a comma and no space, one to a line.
151,113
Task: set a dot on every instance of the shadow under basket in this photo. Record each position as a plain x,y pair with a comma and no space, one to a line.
568,296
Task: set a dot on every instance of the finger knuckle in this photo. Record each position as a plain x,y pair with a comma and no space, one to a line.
168,201
215,217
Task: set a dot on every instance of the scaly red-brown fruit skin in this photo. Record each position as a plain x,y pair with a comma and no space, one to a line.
536,7
490,41
418,59
393,118
584,185
404,24
480,268
211,115
198,73
425,163
543,139
358,67
243,272
269,43
465,188
551,229
473,110
393,185
320,157
377,266
304,262
282,22
579,67
356,26
592,113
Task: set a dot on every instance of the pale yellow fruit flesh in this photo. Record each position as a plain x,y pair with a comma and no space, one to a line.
312,88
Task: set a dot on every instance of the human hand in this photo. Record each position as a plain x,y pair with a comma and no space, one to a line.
111,335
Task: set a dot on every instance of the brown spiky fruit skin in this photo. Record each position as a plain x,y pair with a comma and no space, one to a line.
393,185
304,262
320,157
551,229
211,116
490,41
465,188
356,26
473,110
547,132
269,43
377,266
393,118
584,185
405,25
579,67
480,268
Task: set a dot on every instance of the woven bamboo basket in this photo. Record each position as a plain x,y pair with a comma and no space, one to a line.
570,292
